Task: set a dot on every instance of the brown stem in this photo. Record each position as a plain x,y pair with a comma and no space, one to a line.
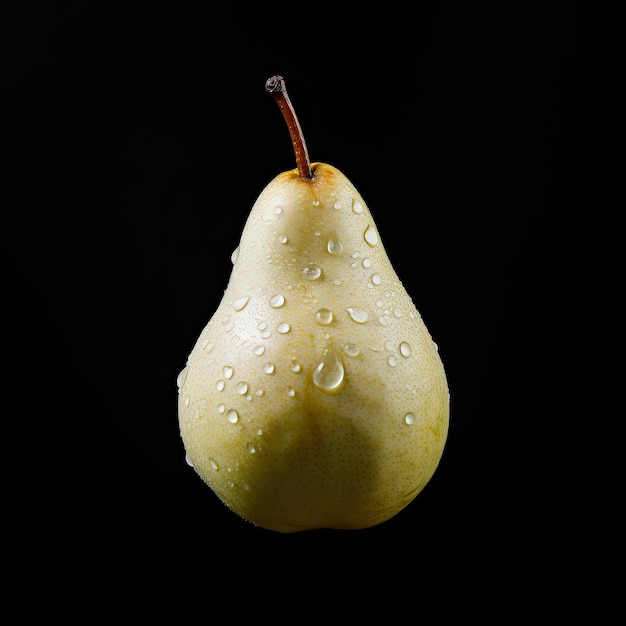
275,86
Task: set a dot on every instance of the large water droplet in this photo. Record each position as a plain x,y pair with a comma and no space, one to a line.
376,279
337,204
269,368
220,385
328,374
214,465
392,361
188,460
277,301
357,207
370,236
283,328
235,255
259,350
405,349
228,371
207,345
232,416
324,317
277,210
311,273
334,246
283,239
291,392
240,303
357,314
242,388
367,262
409,418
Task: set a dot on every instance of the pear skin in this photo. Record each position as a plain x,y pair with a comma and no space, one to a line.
315,397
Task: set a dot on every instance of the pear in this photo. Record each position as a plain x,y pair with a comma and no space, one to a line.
315,397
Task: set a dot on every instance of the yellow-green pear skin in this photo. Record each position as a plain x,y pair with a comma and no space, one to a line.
315,397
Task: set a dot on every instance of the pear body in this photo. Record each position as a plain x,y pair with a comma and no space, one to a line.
315,396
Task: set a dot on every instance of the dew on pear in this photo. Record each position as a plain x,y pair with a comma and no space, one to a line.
370,236
283,239
234,256
220,385
357,207
266,334
351,349
251,448
283,328
405,349
328,374
188,460
228,371
186,400
278,210
357,314
376,279
312,272
295,367
240,303
262,325
291,392
392,361
269,368
207,346
366,262
334,246
229,327
214,465
242,388
409,418
180,379
337,205
232,416
221,408
259,350
277,301
324,317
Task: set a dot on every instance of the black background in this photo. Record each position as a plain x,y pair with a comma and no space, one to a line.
138,137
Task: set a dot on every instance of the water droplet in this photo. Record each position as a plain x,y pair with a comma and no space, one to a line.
315,203
259,350
262,325
277,301
328,373
207,346
397,312
259,392
229,327
188,460
376,279
370,236
357,207
278,210
392,361
409,418
232,416
367,262
187,400
311,273
324,317
240,303
357,314
266,334
242,388
269,368
283,239
334,246
220,385
383,321
283,328
295,367
228,371
225,319
214,465
291,392
251,448
234,256
351,349
180,379
259,432
337,204
405,349
221,408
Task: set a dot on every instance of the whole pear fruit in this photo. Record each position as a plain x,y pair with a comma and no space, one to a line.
315,396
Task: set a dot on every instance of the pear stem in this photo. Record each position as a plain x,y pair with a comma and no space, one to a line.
275,86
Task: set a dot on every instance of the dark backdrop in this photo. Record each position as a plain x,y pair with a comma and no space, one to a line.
138,138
